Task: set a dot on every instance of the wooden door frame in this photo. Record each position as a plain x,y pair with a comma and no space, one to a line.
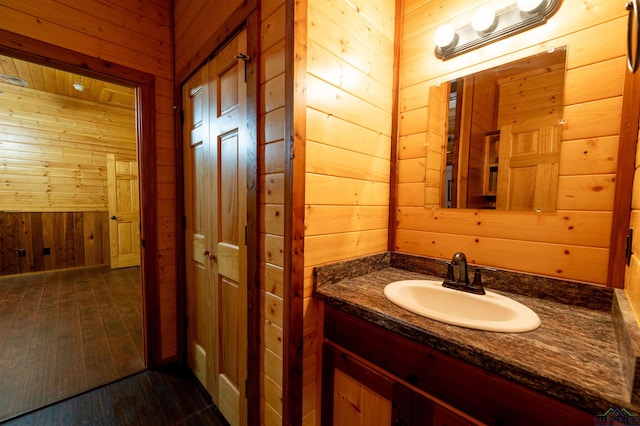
26,48
247,16
295,135
625,171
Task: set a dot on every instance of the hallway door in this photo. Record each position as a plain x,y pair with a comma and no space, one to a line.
215,179
124,212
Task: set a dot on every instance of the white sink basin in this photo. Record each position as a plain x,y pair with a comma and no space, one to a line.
489,312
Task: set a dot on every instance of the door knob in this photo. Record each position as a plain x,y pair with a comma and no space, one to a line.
209,254
114,218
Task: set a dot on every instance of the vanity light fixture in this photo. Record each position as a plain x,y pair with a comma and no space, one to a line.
529,6
488,25
483,19
445,36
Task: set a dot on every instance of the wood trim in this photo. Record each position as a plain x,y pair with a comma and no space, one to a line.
145,117
629,125
253,229
217,40
295,136
43,53
395,128
326,399
181,291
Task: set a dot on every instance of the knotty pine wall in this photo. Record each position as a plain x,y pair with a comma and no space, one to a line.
349,90
195,23
137,35
54,150
54,178
271,215
571,243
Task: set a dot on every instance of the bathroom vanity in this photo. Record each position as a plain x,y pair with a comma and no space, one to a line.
397,367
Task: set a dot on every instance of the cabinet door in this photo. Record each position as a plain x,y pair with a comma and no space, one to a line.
354,394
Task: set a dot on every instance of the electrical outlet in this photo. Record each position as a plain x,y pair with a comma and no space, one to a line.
22,252
46,251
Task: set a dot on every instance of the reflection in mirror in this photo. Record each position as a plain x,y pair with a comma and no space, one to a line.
501,131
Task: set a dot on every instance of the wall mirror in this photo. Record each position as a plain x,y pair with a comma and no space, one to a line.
495,136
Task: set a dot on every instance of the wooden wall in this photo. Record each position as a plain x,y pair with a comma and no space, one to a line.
54,150
74,239
136,35
271,215
571,243
349,90
201,27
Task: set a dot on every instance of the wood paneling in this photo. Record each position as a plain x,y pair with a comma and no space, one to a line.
51,80
272,210
73,239
54,150
128,41
349,99
595,39
201,27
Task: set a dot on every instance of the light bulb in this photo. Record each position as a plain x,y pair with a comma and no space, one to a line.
445,35
79,87
483,18
529,6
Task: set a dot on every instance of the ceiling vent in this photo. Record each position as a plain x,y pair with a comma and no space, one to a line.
10,79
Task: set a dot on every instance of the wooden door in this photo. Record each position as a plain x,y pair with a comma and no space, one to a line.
124,211
528,168
215,205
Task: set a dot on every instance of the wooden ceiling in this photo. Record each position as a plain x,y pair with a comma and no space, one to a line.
51,80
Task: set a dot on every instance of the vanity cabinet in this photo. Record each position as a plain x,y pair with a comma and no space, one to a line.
367,369
358,393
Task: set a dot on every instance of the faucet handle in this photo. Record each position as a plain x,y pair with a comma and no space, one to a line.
449,276
477,280
477,277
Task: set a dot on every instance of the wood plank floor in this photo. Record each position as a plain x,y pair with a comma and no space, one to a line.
65,332
166,396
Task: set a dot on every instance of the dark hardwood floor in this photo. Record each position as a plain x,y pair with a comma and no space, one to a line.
167,396
62,333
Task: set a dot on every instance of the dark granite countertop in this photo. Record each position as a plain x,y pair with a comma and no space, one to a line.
574,356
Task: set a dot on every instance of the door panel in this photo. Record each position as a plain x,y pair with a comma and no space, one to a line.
124,211
215,203
228,129
528,168
200,339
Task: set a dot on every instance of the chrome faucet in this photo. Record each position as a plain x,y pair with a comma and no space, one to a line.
462,283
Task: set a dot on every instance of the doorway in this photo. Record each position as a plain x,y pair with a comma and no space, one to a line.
70,322
216,145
